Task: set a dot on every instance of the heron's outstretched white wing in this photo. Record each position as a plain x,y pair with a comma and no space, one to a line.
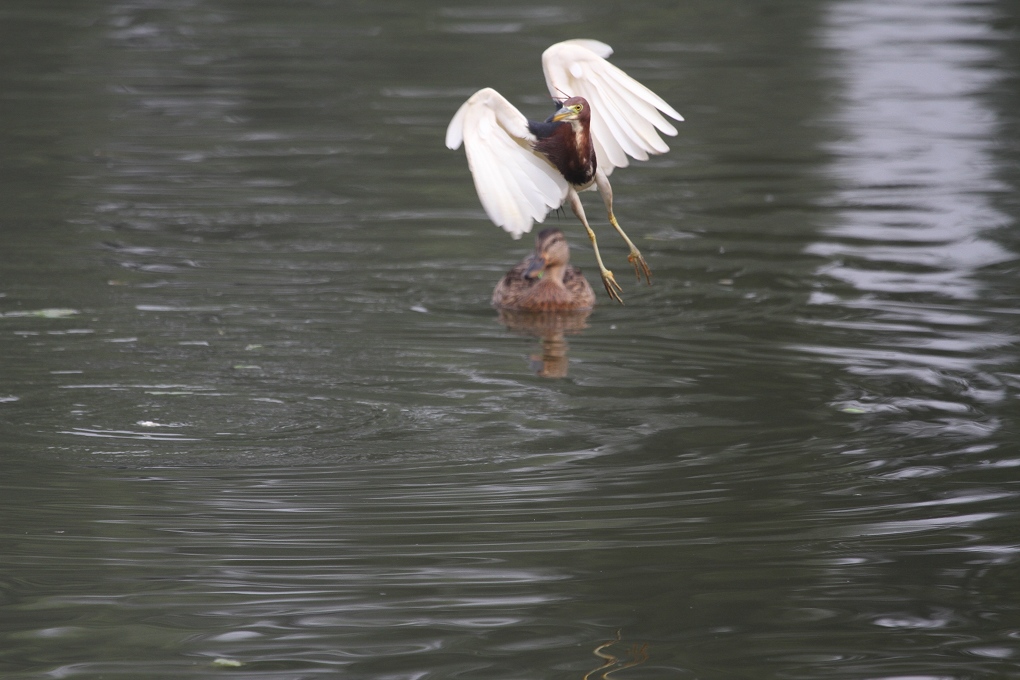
625,115
517,186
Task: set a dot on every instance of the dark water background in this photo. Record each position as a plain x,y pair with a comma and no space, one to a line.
255,408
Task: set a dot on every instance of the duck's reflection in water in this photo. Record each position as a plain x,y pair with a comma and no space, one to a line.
545,296
551,328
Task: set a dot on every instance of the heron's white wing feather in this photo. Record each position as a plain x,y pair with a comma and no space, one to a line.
626,117
516,186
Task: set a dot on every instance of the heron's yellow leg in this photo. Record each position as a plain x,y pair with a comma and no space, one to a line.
635,257
612,287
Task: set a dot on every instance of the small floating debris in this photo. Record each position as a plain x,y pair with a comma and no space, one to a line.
421,309
227,663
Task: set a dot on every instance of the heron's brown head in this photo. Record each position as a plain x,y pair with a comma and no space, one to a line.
574,108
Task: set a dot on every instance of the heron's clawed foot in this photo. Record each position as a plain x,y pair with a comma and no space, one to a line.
640,266
612,287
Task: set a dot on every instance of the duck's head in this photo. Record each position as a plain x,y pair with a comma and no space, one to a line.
551,250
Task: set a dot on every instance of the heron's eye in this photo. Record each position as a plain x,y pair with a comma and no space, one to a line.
576,108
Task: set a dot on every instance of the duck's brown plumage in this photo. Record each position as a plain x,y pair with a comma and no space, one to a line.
545,281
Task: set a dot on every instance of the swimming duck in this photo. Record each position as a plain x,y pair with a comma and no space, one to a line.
545,281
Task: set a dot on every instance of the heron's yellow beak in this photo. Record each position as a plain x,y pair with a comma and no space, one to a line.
563,113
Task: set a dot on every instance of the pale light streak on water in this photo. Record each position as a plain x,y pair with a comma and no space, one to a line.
255,406
917,210
915,163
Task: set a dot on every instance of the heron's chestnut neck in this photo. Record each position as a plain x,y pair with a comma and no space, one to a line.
567,145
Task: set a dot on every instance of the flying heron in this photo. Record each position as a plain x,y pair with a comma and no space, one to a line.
523,169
